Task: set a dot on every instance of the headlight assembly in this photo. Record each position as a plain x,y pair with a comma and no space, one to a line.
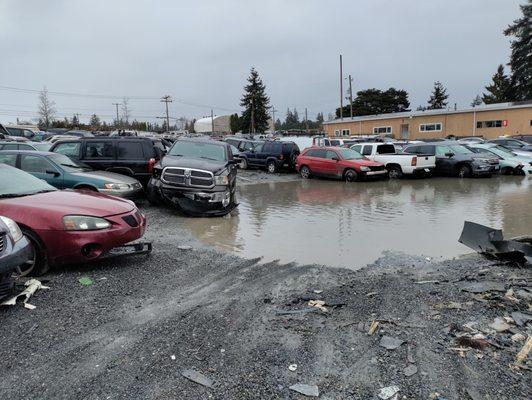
365,169
84,223
116,186
221,179
12,227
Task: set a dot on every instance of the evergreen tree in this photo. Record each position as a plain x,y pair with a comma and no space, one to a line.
500,90
234,123
255,102
521,57
438,98
375,101
95,121
476,101
278,125
75,121
319,119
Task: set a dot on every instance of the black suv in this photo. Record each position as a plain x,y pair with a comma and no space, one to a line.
272,155
132,156
198,176
456,160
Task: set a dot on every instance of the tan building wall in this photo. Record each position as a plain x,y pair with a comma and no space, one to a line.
518,121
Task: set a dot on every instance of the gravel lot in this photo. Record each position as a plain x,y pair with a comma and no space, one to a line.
145,319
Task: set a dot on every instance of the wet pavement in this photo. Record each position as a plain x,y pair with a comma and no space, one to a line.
349,225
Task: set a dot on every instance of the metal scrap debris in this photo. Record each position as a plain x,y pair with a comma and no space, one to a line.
307,390
32,286
490,242
389,393
197,377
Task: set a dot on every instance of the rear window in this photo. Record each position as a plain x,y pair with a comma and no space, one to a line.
367,149
386,149
130,150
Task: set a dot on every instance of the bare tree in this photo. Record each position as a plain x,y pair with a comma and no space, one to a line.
46,108
126,112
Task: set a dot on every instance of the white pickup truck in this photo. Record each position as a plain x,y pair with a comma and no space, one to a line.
397,164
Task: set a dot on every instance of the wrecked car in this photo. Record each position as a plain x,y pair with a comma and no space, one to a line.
67,226
198,176
15,250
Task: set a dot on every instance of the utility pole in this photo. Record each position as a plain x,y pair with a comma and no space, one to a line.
212,121
341,90
306,120
351,95
117,118
167,99
273,117
252,117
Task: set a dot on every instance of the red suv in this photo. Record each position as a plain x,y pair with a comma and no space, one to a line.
338,162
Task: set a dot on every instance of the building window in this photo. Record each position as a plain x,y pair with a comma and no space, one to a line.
346,132
492,124
382,129
336,133
435,127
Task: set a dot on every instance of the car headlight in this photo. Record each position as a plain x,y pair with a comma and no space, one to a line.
365,169
84,223
221,179
117,186
14,231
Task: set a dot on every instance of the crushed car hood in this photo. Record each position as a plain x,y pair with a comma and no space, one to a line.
194,163
104,176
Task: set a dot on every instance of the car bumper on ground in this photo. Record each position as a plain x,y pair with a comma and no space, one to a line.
64,247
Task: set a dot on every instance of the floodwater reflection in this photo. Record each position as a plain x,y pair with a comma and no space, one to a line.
351,224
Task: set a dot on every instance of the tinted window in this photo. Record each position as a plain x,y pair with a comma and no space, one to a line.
330,155
246,146
420,150
130,150
311,153
34,164
9,159
335,143
99,150
287,147
386,149
10,146
15,131
25,147
68,149
258,147
318,153
367,150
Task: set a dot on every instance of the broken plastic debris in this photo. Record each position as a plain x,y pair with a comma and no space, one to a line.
197,377
523,354
389,393
320,304
390,343
500,325
85,281
172,357
292,367
318,291
32,286
307,390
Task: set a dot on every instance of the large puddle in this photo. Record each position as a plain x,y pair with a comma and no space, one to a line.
350,225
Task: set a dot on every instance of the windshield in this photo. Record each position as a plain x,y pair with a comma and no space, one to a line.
202,150
15,183
42,146
460,150
349,154
502,151
67,163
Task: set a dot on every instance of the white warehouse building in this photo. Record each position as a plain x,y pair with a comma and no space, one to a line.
221,124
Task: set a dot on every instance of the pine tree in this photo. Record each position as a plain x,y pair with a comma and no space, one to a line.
500,90
255,102
95,121
75,121
438,97
234,123
476,101
521,57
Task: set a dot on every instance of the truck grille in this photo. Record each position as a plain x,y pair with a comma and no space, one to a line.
2,243
188,177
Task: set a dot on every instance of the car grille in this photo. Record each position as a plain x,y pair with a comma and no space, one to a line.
131,221
2,243
377,168
188,177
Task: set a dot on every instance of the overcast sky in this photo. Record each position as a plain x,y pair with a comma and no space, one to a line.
200,52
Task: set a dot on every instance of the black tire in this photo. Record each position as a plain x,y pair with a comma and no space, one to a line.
350,175
507,171
271,167
38,265
464,171
304,171
395,172
243,164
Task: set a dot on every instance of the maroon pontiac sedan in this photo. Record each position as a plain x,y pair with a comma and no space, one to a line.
66,226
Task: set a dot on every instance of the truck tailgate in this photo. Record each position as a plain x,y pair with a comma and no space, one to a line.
426,160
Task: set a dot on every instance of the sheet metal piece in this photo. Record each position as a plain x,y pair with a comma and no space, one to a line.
490,242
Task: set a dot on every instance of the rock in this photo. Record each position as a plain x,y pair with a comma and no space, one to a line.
410,370
500,325
518,337
307,390
390,343
520,318
389,393
485,286
197,377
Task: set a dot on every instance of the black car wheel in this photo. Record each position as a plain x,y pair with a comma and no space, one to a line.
395,172
272,168
304,171
464,171
37,264
243,164
350,175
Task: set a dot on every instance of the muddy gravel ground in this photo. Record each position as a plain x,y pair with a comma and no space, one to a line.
242,324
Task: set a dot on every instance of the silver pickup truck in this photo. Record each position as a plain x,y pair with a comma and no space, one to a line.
397,164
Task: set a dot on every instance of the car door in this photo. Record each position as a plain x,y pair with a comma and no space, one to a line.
99,154
444,164
130,159
330,163
42,168
317,164
256,154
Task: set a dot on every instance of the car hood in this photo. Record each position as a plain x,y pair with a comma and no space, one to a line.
365,162
193,163
104,176
69,202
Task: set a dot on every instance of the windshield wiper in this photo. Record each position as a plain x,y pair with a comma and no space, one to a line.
72,166
209,158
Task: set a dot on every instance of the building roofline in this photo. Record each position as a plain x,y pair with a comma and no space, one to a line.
428,113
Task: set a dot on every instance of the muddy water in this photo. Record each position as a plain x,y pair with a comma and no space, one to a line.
349,225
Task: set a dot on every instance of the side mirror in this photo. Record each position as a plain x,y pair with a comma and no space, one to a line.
54,173
335,159
449,155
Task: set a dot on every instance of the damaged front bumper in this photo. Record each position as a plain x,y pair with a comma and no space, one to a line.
490,242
